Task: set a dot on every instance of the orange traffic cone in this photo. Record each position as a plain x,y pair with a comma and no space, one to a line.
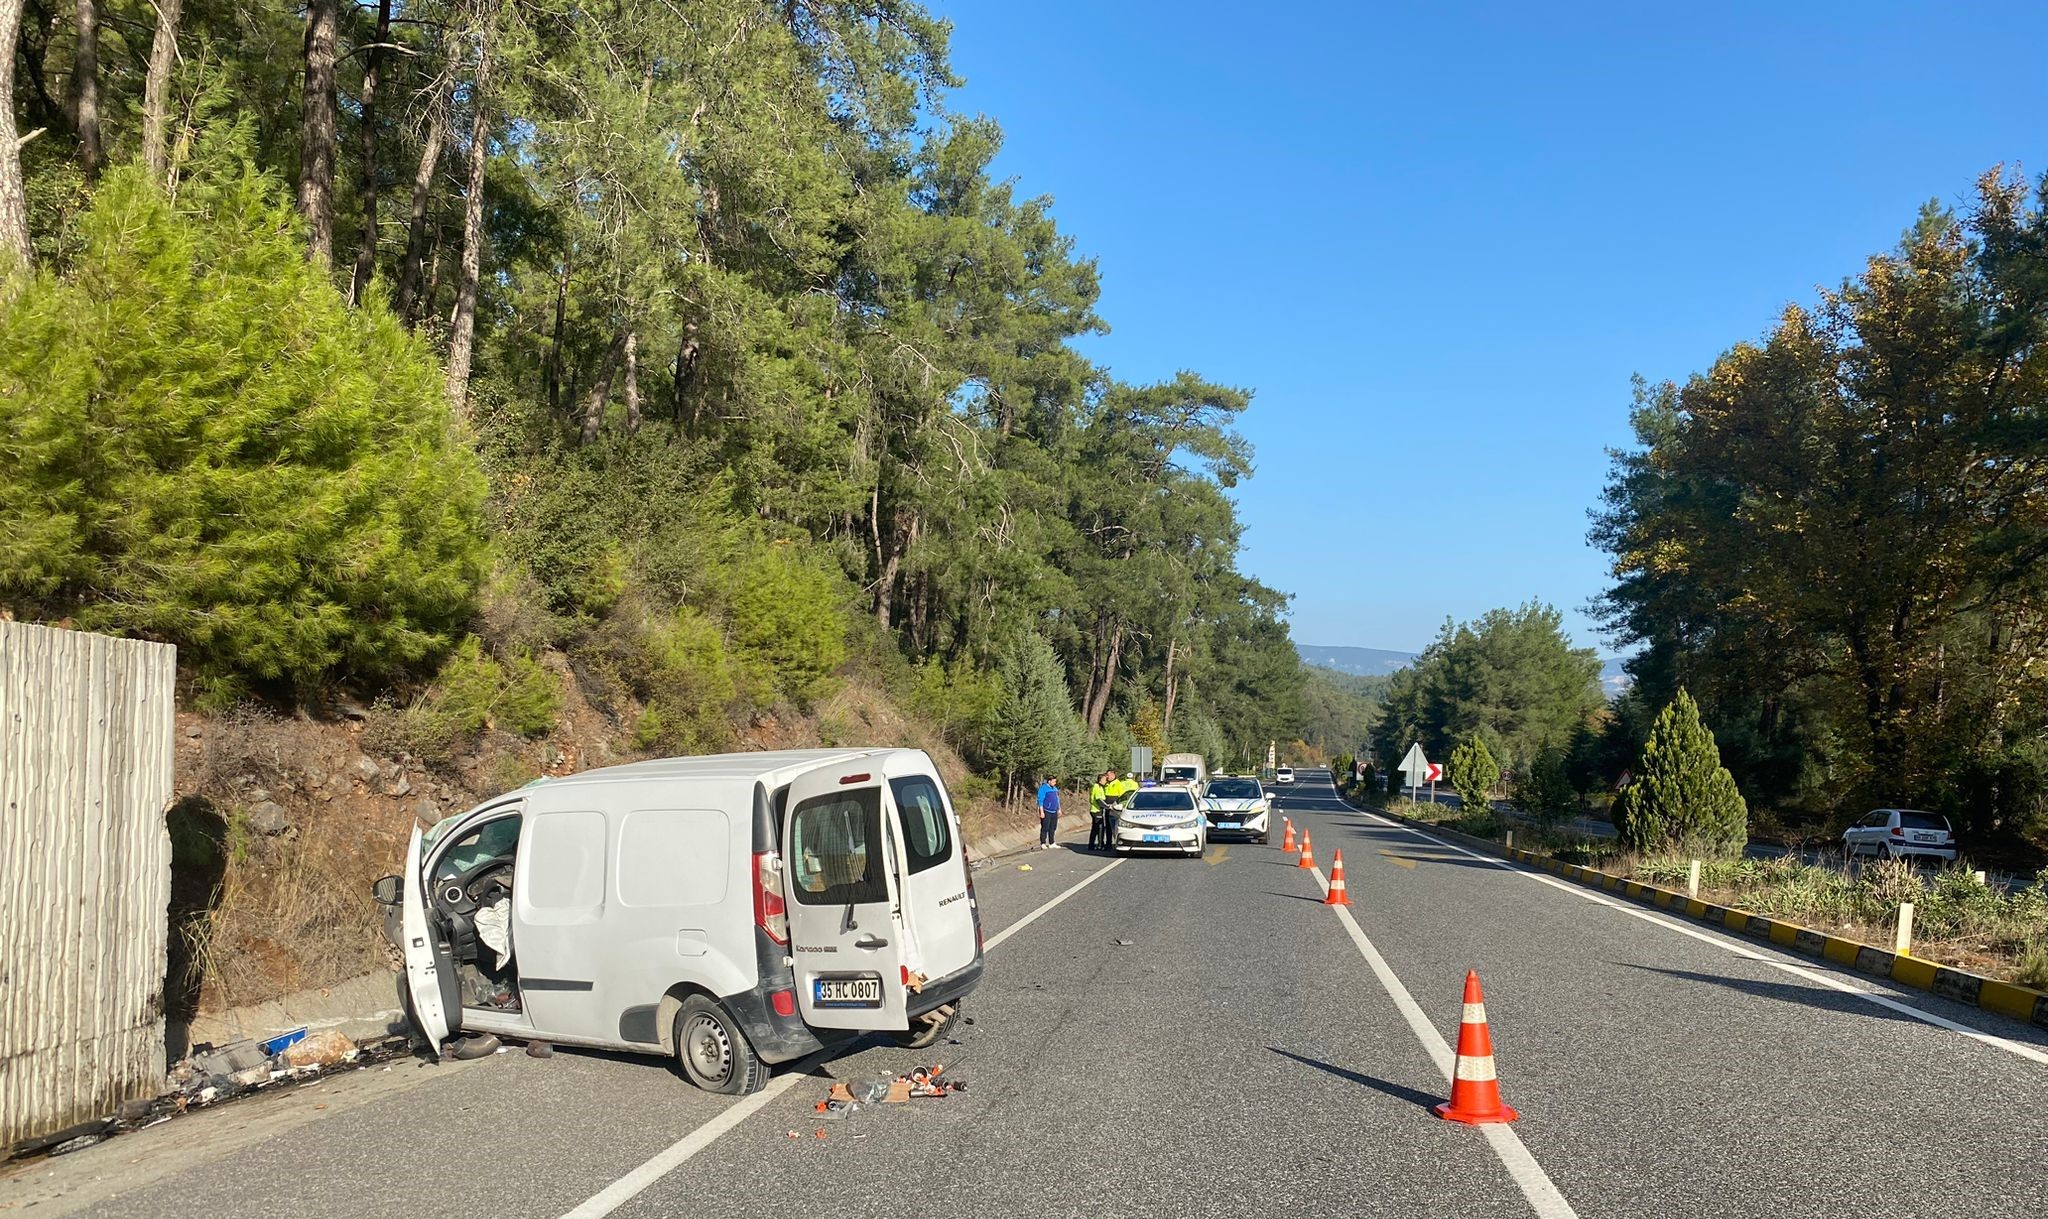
1308,852
1475,1093
1337,897
1287,843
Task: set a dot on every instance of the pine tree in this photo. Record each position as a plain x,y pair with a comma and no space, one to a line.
1546,791
1682,796
1035,732
208,447
1473,772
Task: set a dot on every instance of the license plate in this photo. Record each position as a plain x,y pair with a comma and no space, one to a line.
1158,838
847,992
1229,825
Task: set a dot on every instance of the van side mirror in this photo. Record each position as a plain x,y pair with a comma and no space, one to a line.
389,891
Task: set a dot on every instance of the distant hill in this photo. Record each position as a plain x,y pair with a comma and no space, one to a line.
1359,662
1378,662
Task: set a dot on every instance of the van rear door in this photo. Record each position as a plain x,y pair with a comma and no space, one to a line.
937,902
845,937
425,965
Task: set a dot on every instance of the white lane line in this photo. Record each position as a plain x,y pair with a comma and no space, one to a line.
2031,1053
997,939
1536,1184
628,1187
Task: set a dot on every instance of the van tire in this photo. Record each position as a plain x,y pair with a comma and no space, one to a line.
712,1051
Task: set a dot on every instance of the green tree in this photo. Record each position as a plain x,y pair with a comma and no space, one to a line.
1035,732
1826,536
1682,796
1546,792
1512,677
1473,772
207,446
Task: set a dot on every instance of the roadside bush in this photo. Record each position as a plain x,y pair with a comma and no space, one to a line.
1473,771
787,627
689,686
1545,793
961,698
206,445
473,691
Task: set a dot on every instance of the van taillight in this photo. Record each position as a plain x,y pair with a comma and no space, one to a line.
770,914
1898,832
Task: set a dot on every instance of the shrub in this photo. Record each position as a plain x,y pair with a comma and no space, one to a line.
206,445
472,692
961,698
1682,795
1473,772
686,677
1545,793
787,629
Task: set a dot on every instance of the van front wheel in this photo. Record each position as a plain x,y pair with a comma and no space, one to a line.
714,1053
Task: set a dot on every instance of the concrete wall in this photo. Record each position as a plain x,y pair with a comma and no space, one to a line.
86,755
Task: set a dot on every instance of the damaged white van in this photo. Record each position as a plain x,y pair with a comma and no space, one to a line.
733,911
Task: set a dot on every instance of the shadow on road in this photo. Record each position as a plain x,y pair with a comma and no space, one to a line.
1821,997
1300,897
1413,1096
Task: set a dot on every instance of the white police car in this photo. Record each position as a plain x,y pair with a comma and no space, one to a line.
1162,819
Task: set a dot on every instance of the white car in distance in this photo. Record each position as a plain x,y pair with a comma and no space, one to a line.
1901,833
1284,775
1162,819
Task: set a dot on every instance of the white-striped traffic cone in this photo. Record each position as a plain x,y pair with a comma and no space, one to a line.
1475,1092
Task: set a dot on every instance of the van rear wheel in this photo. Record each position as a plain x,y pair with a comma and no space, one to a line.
714,1053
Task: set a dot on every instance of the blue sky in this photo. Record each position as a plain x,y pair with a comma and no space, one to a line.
1438,241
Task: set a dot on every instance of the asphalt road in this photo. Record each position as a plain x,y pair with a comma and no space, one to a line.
1240,1055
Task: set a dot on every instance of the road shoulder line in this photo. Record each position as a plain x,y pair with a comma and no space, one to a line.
1831,982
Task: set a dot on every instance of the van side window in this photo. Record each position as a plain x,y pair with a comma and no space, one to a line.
927,837
835,849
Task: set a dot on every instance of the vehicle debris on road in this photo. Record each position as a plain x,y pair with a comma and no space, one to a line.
919,1083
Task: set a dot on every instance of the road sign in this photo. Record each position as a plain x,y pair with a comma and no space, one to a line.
1434,772
1141,759
1414,764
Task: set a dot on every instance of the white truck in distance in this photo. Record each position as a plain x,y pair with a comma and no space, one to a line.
1188,768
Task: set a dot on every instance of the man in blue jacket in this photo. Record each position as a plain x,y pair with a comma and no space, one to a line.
1048,812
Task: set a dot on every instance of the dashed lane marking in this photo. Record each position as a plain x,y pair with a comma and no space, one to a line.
1536,1185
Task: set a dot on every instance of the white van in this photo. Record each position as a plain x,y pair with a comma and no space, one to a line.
733,911
1188,768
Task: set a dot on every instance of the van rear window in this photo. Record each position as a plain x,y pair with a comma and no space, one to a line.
927,836
835,849
1911,820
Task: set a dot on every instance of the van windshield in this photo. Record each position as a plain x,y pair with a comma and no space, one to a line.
1178,774
835,849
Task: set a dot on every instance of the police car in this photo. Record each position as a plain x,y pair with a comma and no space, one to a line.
1238,806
